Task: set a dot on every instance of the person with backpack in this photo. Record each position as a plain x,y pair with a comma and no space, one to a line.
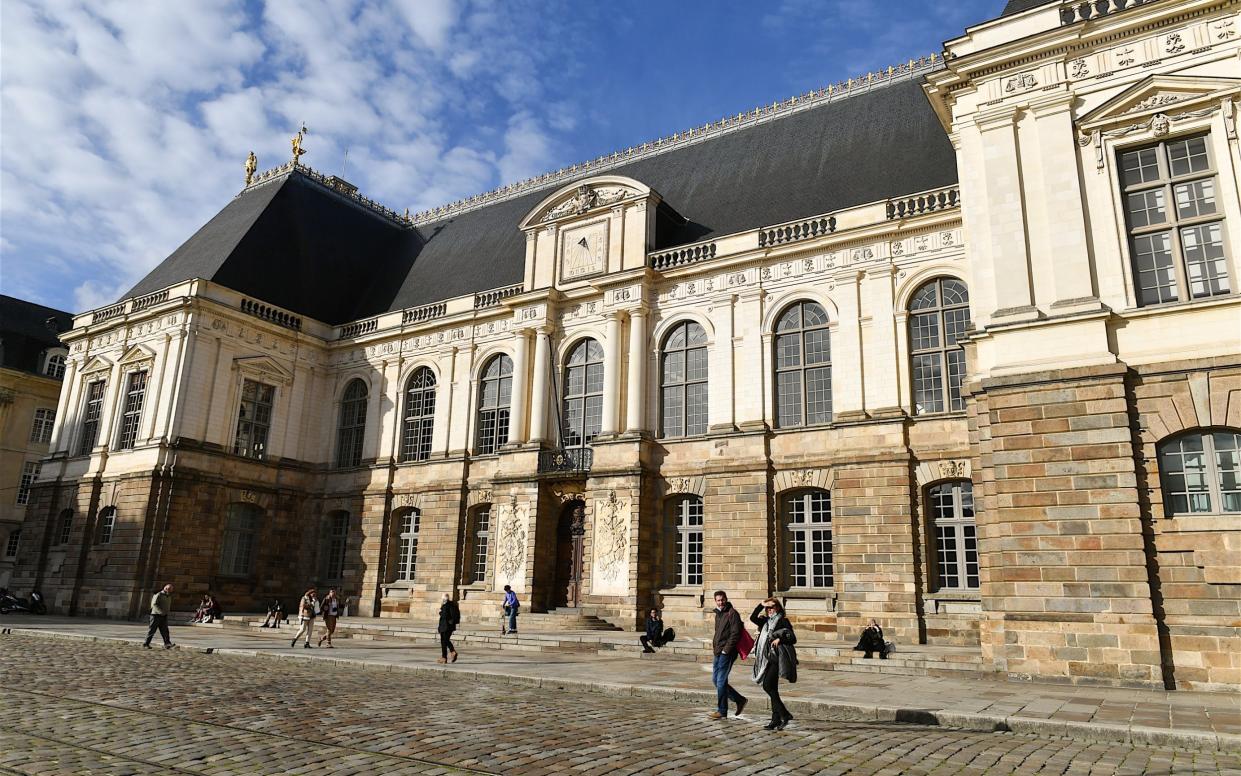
729,632
774,657
450,618
511,605
307,608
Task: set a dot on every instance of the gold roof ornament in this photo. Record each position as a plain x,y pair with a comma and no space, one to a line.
252,164
297,144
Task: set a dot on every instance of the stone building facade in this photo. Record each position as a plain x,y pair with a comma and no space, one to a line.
953,346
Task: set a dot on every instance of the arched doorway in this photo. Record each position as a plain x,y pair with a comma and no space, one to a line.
570,537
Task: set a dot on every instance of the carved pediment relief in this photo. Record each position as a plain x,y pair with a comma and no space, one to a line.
263,368
96,364
1160,94
137,354
584,197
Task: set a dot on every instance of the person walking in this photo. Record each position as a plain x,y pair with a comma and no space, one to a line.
306,611
728,628
450,618
773,657
161,605
511,605
331,610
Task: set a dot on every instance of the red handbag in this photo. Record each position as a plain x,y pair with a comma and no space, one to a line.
745,644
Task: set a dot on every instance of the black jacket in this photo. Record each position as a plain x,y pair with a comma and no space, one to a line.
728,627
654,628
450,617
782,658
871,640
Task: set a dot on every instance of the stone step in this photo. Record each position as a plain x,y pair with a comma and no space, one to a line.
813,654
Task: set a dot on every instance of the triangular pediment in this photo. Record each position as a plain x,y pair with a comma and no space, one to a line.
263,368
1160,94
136,354
96,364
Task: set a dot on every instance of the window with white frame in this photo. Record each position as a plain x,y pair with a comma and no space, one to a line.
335,545
30,473
939,314
131,412
41,429
241,528
1200,473
65,529
482,540
803,361
254,419
419,415
54,367
808,523
92,415
407,524
583,395
956,535
351,429
14,541
685,517
1175,222
495,394
683,381
107,525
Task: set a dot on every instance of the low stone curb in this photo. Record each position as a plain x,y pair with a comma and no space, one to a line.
1094,732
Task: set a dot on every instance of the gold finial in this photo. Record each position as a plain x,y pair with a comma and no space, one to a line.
252,164
297,144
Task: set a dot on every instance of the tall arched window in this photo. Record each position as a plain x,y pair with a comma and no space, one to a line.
419,415
685,522
241,527
352,429
583,394
956,536
939,313
808,522
494,395
107,524
683,381
803,366
66,526
407,524
1200,472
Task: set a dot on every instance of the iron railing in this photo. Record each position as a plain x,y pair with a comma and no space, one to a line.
566,461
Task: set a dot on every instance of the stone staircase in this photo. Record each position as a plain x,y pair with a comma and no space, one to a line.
551,632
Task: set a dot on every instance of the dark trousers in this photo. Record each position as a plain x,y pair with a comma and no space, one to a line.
446,644
771,686
159,622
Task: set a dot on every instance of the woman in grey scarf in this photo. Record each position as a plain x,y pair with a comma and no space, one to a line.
775,633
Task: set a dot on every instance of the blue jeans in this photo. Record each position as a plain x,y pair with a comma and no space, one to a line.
512,619
724,691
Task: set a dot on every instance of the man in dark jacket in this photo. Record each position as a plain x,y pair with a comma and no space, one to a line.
728,627
655,636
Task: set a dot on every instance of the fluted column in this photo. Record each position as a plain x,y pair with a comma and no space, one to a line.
635,409
541,387
611,376
521,372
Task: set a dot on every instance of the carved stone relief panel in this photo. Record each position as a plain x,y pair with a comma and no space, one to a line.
798,479
946,469
511,521
610,570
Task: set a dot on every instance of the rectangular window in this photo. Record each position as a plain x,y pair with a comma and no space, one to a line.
92,413
14,541
30,473
951,507
1176,230
66,526
482,537
240,531
809,516
335,547
41,430
131,415
107,524
254,419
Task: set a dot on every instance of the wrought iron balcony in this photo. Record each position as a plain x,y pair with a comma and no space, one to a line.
565,461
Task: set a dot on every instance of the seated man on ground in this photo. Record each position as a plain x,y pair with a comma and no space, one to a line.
655,635
275,615
872,641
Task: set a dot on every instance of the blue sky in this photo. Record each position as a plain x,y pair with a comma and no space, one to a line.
124,125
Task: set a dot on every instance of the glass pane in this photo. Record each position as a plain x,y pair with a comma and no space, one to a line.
925,297
594,378
1139,166
946,546
818,347
674,367
813,315
924,331
1205,264
1146,208
955,324
696,364
1156,278
677,338
788,350
928,383
696,408
594,351
791,319
1195,199
1228,466
955,293
1186,156
788,398
695,334
819,395
673,412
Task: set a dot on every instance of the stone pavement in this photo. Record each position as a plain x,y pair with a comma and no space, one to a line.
1202,721
75,705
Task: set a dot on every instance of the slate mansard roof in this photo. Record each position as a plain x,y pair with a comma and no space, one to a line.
26,330
296,243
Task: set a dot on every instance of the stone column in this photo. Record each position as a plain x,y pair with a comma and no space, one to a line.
635,410
521,371
539,391
1008,246
611,376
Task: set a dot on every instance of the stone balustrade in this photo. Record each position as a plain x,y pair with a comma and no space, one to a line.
1073,11
485,299
679,257
424,313
271,314
796,231
926,202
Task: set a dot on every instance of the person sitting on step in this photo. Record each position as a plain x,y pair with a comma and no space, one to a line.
275,615
872,641
655,635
